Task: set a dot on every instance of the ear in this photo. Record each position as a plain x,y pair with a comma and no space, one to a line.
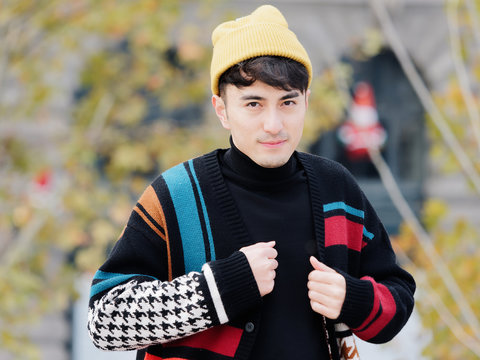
220,110
307,95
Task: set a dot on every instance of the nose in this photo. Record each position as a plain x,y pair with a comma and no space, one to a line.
273,122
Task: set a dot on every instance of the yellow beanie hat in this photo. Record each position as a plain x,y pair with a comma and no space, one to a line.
264,32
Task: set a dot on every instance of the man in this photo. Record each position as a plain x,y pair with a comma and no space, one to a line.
257,251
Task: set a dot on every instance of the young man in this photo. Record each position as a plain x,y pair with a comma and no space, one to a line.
257,251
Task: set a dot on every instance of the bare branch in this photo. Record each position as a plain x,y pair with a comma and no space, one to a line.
442,310
424,240
473,13
5,48
423,93
100,117
23,241
460,69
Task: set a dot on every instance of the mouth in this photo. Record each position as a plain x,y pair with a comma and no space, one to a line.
273,143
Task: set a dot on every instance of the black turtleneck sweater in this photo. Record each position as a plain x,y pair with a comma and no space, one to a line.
274,204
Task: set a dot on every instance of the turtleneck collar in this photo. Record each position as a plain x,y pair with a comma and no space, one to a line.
241,164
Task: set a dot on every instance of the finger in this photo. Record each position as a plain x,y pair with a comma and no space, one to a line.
318,287
317,265
274,264
271,253
321,299
324,310
334,293
273,274
262,244
270,244
324,277
258,246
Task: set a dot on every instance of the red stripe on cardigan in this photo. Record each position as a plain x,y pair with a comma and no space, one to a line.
153,357
383,297
341,231
222,339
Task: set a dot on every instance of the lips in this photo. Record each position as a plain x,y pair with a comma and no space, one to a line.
273,143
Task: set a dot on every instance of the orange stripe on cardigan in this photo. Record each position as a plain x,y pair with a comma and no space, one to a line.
384,309
149,223
149,201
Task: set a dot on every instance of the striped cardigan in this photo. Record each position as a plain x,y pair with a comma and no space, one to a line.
175,285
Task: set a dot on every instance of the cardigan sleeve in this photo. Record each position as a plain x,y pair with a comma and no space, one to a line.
379,297
135,302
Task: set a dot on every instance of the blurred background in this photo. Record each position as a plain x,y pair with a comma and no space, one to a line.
98,97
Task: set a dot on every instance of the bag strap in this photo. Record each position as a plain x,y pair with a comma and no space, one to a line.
346,343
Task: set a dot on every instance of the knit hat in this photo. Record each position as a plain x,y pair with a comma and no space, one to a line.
264,32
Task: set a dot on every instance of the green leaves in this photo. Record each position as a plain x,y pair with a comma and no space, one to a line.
87,91
457,243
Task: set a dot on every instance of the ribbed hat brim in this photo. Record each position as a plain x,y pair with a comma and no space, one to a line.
252,40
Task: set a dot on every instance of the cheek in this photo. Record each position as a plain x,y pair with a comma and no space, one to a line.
246,127
241,133
296,127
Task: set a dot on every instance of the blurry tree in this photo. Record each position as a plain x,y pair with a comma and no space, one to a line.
70,161
96,98
454,122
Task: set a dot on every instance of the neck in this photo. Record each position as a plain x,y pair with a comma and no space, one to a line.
243,165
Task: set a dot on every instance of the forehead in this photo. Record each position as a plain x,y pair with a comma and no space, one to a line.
258,90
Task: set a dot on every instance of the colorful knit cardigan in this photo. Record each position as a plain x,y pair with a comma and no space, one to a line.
175,285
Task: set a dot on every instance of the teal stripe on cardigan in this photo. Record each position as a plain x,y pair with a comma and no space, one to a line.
109,280
342,206
183,198
367,234
205,214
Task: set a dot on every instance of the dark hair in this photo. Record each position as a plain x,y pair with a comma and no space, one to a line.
276,71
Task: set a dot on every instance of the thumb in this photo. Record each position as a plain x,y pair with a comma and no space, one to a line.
317,265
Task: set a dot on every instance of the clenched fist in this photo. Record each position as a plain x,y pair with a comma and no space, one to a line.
326,290
261,257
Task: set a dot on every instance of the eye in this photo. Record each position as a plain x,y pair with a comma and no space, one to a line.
289,103
253,104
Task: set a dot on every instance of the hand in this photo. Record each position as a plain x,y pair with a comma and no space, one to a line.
326,290
261,257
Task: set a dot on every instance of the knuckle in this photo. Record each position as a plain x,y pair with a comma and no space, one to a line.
337,293
270,286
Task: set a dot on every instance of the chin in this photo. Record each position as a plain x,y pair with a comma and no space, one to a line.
272,163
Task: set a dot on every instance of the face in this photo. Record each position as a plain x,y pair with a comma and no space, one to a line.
266,123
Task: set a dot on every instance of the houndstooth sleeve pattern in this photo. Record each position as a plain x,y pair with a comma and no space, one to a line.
141,313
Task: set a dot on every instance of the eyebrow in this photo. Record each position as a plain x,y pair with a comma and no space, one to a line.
251,97
290,95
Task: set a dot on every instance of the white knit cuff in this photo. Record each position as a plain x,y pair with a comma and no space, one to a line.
216,298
